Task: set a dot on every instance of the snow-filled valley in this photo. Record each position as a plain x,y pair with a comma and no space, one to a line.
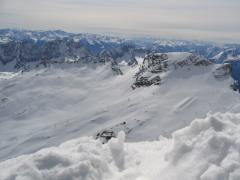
175,116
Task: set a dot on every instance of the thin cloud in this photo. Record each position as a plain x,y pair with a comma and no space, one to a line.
190,19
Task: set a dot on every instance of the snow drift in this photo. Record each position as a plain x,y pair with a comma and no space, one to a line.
208,149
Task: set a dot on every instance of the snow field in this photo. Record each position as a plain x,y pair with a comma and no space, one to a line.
46,107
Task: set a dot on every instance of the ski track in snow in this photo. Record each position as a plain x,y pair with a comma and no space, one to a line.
185,103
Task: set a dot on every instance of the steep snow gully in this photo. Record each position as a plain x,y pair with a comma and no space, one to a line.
185,127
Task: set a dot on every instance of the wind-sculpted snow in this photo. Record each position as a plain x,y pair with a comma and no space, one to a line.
207,149
78,159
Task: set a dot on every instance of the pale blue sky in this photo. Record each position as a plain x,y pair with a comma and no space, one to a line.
214,20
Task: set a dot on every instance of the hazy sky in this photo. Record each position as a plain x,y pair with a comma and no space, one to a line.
215,20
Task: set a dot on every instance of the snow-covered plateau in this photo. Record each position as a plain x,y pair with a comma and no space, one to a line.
173,115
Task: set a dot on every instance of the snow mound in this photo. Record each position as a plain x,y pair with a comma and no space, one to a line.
208,149
77,159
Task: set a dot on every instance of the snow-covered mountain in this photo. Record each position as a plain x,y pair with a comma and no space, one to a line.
67,101
228,54
21,49
170,105
7,35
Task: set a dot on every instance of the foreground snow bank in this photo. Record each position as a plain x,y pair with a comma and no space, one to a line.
78,159
208,149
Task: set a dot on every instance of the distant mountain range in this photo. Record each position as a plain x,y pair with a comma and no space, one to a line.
24,49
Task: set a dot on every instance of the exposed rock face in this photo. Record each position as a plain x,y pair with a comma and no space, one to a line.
192,60
19,49
133,61
227,69
154,65
222,70
116,69
148,71
54,51
105,135
23,54
146,81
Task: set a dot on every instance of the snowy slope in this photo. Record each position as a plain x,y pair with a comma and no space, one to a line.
207,149
46,107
